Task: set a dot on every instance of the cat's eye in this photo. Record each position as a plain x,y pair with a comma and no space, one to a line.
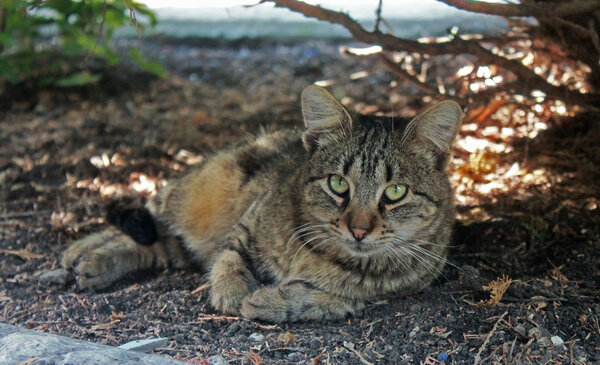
338,185
395,193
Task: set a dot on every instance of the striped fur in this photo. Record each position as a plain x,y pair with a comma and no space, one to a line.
276,241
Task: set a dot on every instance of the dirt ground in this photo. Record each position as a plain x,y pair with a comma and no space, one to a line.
66,153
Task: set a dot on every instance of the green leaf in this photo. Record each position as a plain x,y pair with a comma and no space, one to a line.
150,66
78,79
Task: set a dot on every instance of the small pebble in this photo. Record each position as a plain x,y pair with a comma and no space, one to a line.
558,343
414,332
256,337
217,360
315,344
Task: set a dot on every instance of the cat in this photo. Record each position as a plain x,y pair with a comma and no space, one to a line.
298,225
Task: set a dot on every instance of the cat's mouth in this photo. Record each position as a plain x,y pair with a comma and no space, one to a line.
362,248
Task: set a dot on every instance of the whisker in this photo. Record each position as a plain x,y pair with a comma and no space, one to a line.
434,256
435,244
423,261
322,235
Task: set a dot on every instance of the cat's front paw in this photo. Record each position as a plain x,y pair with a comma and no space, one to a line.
259,305
291,303
227,296
231,281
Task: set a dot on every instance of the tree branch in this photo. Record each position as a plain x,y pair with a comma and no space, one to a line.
378,14
457,46
400,72
526,8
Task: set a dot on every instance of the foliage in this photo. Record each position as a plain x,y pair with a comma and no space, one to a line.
37,37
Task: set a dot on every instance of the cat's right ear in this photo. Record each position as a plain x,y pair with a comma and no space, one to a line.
323,116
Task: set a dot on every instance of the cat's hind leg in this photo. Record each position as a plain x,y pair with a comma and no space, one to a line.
102,258
136,241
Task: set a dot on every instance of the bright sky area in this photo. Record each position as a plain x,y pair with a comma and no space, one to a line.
364,9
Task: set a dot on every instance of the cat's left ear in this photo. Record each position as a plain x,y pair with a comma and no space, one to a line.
323,115
437,127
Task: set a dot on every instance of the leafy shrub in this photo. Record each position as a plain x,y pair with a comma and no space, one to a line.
38,37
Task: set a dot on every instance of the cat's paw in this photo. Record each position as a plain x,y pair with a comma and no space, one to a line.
102,258
293,303
257,306
231,281
226,297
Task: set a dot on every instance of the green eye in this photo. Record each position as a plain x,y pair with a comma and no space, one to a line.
338,185
395,193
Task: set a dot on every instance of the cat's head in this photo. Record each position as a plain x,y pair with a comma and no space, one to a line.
374,182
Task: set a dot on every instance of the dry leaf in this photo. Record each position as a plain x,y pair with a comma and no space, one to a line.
24,254
286,338
497,288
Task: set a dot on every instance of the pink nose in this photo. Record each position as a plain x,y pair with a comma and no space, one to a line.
359,233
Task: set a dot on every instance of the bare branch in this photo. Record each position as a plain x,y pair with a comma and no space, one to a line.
400,72
457,46
527,8
378,14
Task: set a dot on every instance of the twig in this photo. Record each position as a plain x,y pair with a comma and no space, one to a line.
400,72
211,317
360,356
378,13
24,214
295,349
594,35
202,287
487,339
81,302
93,49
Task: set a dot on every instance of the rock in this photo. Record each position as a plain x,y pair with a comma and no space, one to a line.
146,345
217,360
59,276
18,345
544,342
520,329
315,344
414,332
256,337
558,343
470,271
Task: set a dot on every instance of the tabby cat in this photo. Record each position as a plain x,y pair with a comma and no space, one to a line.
298,225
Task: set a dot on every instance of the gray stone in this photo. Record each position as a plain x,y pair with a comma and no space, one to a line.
146,345
558,343
58,276
18,345
217,360
414,332
256,337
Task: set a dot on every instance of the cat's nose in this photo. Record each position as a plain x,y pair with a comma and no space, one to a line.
359,233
